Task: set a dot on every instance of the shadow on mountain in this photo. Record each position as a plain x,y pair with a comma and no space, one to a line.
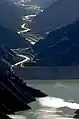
59,48
59,14
12,39
10,14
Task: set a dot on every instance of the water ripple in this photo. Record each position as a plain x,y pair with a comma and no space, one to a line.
57,103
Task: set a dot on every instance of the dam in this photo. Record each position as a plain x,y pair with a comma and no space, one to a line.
48,73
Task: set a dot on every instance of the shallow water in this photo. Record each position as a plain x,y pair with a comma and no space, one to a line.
61,102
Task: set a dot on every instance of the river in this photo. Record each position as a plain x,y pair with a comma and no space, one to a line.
62,100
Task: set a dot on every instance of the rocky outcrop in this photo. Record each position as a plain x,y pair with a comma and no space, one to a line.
76,115
15,95
4,116
8,55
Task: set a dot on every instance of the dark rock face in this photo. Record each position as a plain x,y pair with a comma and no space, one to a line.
76,116
60,48
61,13
15,95
8,55
12,39
4,116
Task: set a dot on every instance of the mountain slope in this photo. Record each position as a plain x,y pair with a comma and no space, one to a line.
10,14
60,48
8,55
60,14
14,89
12,39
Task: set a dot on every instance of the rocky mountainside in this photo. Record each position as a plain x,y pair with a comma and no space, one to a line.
10,14
12,39
59,14
60,48
15,95
8,56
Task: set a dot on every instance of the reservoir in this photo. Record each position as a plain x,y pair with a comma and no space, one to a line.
61,102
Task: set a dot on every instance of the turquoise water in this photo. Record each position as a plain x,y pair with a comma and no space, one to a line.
61,102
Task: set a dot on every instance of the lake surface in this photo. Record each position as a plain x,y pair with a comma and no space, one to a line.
61,103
